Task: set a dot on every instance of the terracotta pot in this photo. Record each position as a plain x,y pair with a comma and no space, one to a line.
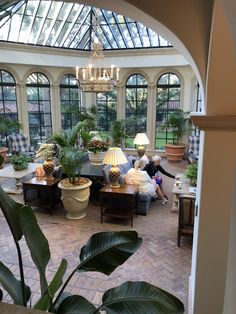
3,152
75,198
175,153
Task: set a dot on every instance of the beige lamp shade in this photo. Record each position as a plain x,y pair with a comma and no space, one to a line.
141,139
114,156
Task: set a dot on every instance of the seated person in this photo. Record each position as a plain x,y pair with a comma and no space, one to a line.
145,160
145,184
152,169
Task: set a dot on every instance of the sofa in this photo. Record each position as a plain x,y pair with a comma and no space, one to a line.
143,200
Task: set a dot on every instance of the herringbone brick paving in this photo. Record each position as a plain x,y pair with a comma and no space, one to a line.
159,261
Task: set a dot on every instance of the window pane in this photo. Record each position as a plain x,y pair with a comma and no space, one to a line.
168,100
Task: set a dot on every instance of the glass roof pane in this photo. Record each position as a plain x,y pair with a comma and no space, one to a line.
14,29
118,36
65,24
35,30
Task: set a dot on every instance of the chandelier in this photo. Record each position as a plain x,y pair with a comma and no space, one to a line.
96,77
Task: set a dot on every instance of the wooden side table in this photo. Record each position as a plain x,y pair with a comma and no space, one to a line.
39,184
127,193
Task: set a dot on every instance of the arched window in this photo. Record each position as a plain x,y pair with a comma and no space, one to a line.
136,105
168,100
70,101
8,100
106,109
39,108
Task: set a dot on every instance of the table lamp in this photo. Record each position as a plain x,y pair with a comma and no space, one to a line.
114,156
141,139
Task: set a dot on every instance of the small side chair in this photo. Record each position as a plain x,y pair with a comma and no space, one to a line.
186,216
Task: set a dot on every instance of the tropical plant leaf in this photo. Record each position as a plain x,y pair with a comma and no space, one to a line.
12,285
1,295
140,298
105,251
76,304
10,210
1,160
44,302
62,297
37,243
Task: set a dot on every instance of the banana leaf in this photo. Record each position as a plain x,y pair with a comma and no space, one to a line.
12,285
140,298
76,304
37,243
10,209
44,302
1,295
105,251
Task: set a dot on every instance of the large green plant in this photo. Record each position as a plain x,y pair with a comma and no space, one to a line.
103,253
119,130
191,173
70,155
177,124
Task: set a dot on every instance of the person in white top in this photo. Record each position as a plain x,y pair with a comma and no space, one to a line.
145,184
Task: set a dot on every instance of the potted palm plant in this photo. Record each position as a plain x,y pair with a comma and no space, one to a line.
75,189
176,123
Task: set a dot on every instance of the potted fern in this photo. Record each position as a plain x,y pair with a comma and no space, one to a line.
20,161
176,124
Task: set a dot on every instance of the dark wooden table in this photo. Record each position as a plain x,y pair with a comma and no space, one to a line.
110,205
39,184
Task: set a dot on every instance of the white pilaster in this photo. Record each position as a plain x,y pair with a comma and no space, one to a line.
55,107
151,115
23,107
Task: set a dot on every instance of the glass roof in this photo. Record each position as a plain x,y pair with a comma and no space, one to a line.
72,25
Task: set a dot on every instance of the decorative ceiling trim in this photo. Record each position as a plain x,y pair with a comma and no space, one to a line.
214,122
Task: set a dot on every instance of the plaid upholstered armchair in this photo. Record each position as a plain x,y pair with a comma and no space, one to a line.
193,150
18,143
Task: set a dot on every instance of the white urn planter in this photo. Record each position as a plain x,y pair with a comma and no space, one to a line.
96,158
75,198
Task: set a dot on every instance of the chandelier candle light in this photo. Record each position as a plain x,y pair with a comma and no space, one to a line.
96,77
141,139
114,156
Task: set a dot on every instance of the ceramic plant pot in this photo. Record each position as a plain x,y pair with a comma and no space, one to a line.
75,198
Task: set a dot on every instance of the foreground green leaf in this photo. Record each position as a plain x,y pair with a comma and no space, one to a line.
44,302
12,285
10,210
76,304
37,243
1,295
140,298
105,251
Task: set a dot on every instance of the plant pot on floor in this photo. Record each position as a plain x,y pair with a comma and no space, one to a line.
175,153
75,198
3,152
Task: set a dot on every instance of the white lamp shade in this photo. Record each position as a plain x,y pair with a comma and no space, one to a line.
114,156
141,139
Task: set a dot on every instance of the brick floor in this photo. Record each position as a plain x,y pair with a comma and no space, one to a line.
159,261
